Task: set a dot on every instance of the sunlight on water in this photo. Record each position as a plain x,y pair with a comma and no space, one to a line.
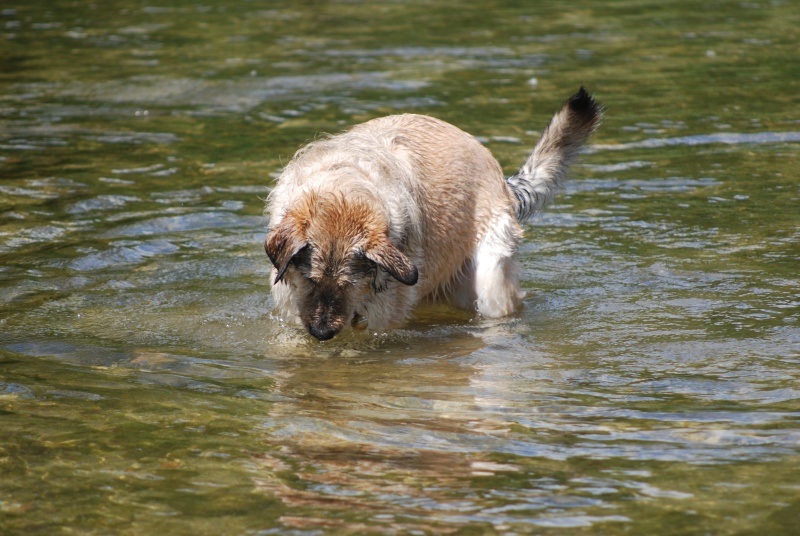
728,138
649,386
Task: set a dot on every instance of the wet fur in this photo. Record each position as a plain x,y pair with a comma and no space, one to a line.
366,224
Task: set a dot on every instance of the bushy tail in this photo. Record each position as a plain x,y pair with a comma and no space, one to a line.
538,180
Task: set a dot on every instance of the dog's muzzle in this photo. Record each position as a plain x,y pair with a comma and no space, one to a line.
322,333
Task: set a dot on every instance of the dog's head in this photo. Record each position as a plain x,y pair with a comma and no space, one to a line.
333,252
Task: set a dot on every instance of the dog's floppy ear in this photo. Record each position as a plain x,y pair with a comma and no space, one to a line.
391,259
281,244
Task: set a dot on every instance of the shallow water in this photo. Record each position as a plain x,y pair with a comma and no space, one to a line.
649,386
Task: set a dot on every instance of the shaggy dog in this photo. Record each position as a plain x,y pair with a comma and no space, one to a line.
366,224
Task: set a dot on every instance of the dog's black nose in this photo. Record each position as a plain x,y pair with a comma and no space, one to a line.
323,333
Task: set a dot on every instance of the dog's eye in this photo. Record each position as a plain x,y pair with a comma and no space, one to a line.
359,257
361,265
302,260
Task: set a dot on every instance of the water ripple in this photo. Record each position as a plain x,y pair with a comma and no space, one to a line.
235,95
728,138
186,222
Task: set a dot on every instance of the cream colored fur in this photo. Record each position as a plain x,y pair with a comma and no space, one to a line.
404,189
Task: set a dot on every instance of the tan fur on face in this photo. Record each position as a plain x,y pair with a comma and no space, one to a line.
336,245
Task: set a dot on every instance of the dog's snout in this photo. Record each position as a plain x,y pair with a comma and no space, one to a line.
328,315
322,333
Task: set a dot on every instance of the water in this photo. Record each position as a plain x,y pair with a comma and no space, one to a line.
650,386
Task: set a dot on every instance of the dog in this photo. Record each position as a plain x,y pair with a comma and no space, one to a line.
406,208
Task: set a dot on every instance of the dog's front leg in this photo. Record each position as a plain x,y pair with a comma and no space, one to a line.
389,308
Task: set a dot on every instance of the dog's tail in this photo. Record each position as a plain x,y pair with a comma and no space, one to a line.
538,180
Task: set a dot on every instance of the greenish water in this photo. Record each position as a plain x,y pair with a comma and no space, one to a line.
650,386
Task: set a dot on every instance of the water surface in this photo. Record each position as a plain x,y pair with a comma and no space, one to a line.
649,386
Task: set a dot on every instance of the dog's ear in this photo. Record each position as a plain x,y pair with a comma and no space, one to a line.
283,243
391,259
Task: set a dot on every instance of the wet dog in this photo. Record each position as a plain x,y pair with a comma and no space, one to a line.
366,224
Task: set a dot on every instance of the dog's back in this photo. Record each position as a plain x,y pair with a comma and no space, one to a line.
458,188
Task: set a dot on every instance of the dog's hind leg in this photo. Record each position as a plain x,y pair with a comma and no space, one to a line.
496,271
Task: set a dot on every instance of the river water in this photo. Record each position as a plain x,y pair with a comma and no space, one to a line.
651,385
